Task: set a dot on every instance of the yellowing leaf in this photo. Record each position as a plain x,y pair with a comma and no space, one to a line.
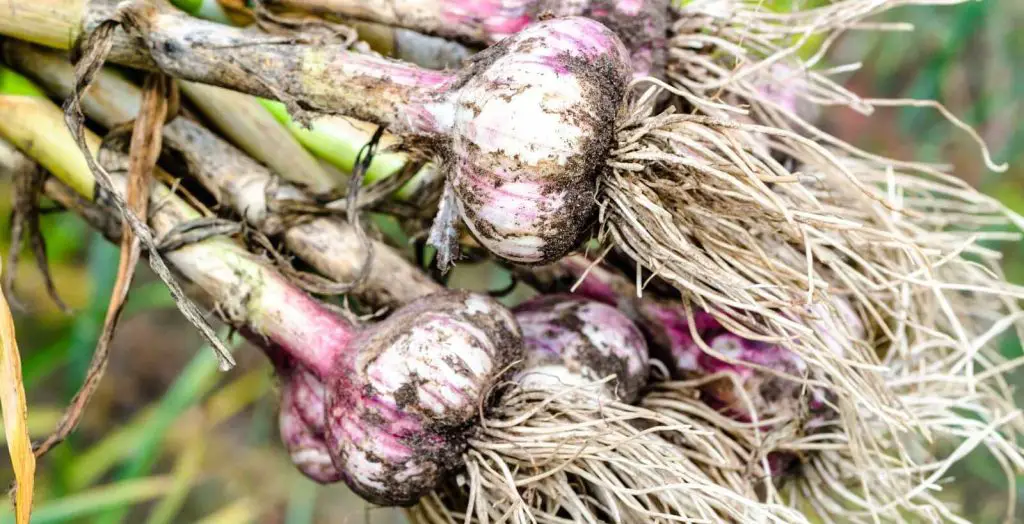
15,412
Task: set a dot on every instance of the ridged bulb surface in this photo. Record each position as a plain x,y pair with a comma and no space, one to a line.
571,341
301,423
533,119
398,410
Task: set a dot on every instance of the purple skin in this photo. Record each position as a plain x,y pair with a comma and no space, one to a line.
523,129
571,341
399,408
768,395
690,360
667,330
301,423
530,127
641,24
398,397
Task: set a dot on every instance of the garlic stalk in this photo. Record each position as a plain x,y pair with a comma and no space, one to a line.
425,50
401,394
338,139
335,139
245,122
239,181
641,24
523,129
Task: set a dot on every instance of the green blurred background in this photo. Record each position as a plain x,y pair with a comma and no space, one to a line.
170,439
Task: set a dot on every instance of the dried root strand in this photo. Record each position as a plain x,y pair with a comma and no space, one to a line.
876,473
563,457
28,183
704,204
740,59
754,223
857,467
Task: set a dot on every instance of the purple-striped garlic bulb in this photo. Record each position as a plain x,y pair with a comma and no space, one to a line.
570,341
398,408
531,122
641,24
301,424
764,394
397,397
667,330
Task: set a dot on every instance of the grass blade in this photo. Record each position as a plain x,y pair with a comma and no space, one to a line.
302,502
187,468
141,435
98,499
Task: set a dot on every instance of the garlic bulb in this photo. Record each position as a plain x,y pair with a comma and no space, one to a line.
531,121
399,405
570,341
301,424
387,407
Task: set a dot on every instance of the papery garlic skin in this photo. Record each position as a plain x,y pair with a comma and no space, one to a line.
530,130
398,410
766,394
301,423
571,342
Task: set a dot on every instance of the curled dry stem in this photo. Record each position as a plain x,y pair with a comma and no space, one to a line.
144,151
28,182
95,49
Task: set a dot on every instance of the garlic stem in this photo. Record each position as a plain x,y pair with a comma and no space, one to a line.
248,293
525,127
338,140
245,121
642,24
330,245
401,395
